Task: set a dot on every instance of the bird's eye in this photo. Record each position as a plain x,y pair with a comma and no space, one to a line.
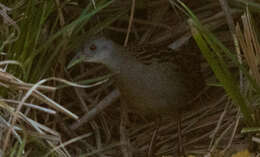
93,47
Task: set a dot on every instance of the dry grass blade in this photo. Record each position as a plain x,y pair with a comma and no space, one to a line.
124,139
53,138
233,132
50,111
256,139
130,22
249,45
9,21
8,124
108,100
69,142
213,135
39,127
3,121
108,147
11,81
7,62
56,105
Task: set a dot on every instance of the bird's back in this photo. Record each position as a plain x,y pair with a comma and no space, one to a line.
155,88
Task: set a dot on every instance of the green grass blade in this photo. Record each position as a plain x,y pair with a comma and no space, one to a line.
211,50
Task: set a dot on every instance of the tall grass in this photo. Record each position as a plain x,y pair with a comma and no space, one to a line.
37,35
42,40
215,52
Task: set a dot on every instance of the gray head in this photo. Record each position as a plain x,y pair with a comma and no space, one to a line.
98,50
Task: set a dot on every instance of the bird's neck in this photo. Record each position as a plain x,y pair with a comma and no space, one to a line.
121,62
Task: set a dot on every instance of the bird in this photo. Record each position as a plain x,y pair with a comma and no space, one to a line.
156,89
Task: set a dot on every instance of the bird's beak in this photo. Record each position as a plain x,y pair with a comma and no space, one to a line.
77,59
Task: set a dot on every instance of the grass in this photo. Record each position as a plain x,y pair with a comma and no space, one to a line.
213,50
36,39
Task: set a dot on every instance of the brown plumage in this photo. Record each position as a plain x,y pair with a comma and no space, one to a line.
157,88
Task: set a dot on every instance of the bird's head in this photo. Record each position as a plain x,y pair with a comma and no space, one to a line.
97,51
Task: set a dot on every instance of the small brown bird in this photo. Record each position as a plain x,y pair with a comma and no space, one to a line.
154,90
